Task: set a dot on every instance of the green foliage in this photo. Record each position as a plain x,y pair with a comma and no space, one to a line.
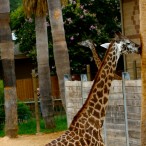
1,92
29,127
60,122
2,116
107,12
17,18
96,20
80,25
23,110
14,4
24,30
2,133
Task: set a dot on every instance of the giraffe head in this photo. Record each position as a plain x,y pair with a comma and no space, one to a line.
87,43
125,45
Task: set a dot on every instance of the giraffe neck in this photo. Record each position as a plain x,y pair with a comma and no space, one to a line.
96,57
94,109
98,62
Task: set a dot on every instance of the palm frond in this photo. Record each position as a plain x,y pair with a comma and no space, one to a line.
64,2
35,7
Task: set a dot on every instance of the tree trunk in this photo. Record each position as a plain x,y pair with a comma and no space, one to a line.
37,113
7,56
142,4
60,50
44,71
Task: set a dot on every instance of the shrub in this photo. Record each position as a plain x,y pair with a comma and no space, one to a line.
1,92
2,116
24,112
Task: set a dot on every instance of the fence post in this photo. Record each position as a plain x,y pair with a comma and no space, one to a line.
88,72
36,101
67,77
125,75
83,79
105,133
134,69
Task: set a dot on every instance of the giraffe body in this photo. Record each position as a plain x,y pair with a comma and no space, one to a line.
85,129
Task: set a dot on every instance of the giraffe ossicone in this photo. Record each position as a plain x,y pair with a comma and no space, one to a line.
105,45
85,129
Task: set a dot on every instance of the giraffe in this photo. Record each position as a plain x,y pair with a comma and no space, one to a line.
85,129
90,44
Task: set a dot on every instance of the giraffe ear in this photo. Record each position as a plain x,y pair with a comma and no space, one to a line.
118,35
105,45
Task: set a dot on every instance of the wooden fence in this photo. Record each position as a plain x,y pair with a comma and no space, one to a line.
25,88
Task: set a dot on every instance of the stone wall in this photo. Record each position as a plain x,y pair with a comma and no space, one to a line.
76,93
131,27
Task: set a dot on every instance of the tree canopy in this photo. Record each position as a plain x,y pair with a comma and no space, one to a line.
14,4
94,19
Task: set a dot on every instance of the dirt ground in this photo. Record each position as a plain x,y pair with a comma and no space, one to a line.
29,140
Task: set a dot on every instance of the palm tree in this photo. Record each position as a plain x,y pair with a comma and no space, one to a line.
60,50
39,9
7,56
64,2
142,4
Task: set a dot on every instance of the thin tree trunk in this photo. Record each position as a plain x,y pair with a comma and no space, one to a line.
7,56
59,45
44,71
142,4
37,114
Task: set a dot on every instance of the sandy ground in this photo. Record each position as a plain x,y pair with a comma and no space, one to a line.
29,140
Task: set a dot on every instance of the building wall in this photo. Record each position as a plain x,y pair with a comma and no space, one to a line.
131,27
24,84
76,93
23,68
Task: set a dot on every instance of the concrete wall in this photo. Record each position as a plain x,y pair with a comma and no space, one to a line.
76,93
